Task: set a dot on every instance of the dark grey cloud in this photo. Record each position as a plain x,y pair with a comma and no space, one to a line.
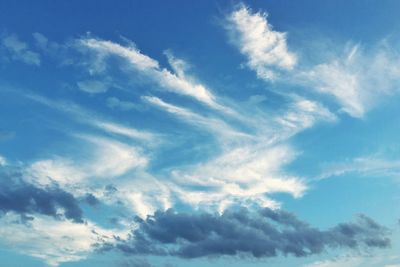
262,233
21,197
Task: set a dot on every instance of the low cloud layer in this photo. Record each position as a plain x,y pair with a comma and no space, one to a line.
264,233
23,198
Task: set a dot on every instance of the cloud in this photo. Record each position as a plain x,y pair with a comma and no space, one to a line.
52,240
115,103
93,86
19,50
302,114
246,174
150,68
262,233
372,166
208,123
82,115
16,195
41,40
109,159
357,260
356,79
266,50
3,161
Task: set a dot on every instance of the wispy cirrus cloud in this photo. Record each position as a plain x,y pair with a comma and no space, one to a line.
107,159
372,166
149,67
93,86
82,115
245,174
116,103
356,79
15,49
207,123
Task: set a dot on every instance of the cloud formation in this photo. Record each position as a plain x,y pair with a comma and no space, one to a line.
23,198
266,50
356,80
262,233
150,68
18,50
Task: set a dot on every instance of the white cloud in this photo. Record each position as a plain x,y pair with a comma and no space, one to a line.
61,170
266,50
108,159
339,262
207,123
240,175
178,65
52,240
356,80
3,161
93,86
177,83
115,103
123,130
371,166
302,114
114,158
19,50
41,40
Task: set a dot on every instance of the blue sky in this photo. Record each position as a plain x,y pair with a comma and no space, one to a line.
155,133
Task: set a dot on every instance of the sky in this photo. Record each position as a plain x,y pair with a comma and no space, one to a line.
199,133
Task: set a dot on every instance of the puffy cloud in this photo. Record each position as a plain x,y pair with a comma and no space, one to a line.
52,240
272,232
18,196
266,50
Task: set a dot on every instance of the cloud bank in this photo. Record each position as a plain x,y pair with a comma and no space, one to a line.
262,233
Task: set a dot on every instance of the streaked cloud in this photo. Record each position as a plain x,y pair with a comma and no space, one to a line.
177,83
357,80
372,166
93,86
116,103
107,159
242,175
